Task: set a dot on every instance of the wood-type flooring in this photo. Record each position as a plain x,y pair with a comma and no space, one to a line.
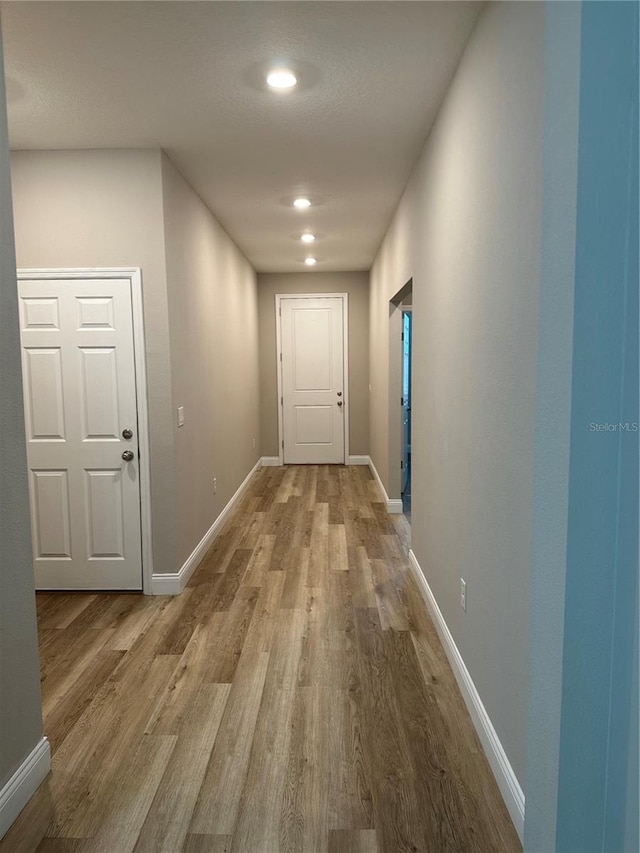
294,699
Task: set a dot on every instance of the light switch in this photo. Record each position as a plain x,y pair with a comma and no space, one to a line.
180,416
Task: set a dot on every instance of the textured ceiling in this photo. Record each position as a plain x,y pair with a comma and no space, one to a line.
188,77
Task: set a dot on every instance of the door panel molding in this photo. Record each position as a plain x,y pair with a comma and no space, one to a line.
279,297
95,315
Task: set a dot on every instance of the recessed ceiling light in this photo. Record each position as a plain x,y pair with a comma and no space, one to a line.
302,203
310,262
308,238
281,78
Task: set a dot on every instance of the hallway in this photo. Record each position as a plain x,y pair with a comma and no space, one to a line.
294,698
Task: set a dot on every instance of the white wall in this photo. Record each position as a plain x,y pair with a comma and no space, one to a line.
20,714
467,231
104,209
213,329
392,269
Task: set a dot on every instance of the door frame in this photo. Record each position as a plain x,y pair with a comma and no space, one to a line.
345,362
134,276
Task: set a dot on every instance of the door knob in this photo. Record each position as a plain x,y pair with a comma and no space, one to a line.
127,455
339,393
339,402
126,433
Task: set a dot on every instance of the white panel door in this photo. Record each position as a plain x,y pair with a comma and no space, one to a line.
313,403
80,398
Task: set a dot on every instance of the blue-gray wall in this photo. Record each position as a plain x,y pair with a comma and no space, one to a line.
602,559
552,420
582,787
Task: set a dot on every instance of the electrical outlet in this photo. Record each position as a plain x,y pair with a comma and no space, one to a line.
253,443
215,485
463,594
180,416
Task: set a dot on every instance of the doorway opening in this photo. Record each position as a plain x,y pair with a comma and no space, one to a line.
400,447
407,328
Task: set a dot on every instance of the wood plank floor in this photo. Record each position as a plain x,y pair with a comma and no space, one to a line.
294,698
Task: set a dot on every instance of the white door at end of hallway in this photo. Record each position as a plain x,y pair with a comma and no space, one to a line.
313,387
82,433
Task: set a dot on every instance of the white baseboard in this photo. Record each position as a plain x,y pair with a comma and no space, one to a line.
359,460
271,462
175,582
508,784
24,783
393,505
171,583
